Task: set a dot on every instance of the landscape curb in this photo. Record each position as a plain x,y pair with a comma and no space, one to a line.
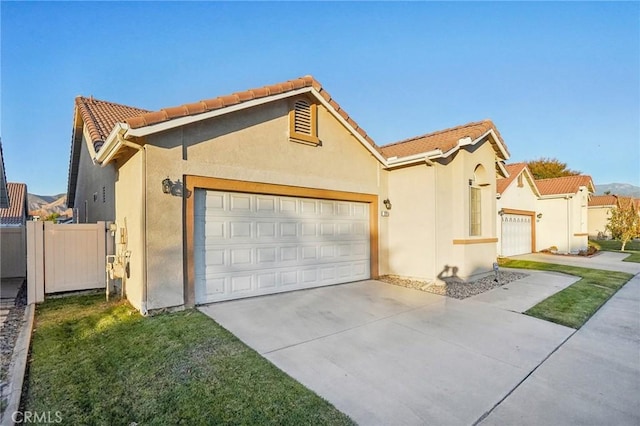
18,366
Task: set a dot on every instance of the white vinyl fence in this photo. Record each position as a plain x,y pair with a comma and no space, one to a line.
65,257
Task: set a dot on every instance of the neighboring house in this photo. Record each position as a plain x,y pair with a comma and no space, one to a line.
277,189
599,212
517,204
13,221
564,207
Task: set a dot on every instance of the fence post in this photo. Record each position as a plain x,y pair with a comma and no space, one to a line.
35,262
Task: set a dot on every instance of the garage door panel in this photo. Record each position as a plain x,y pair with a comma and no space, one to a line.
516,234
251,244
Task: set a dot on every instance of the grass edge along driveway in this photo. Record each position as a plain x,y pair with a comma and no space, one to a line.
575,304
97,362
632,248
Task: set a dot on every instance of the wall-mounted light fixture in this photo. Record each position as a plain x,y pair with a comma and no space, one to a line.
387,204
539,215
166,185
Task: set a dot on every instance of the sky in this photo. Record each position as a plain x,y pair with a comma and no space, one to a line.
559,80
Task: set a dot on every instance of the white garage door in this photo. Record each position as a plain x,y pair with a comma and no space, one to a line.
250,244
516,234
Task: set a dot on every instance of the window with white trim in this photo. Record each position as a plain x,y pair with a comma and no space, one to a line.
475,212
303,118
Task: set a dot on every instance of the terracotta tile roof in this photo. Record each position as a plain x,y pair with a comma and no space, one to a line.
16,213
170,113
514,169
564,185
100,117
623,201
603,200
445,140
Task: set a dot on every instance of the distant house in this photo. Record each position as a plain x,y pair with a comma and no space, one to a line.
541,214
518,199
278,188
564,207
600,207
599,212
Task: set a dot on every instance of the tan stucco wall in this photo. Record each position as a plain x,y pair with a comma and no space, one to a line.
411,221
517,198
129,206
598,218
431,210
251,145
91,180
562,218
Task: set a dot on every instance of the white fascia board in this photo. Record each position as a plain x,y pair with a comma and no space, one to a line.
503,150
111,146
188,119
423,157
353,131
464,141
503,169
551,196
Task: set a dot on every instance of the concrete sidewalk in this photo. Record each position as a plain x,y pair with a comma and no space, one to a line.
607,260
593,379
522,294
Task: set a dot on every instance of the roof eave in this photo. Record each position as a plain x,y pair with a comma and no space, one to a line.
423,157
113,145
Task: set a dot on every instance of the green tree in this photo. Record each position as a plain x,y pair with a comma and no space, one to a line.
545,168
52,217
624,222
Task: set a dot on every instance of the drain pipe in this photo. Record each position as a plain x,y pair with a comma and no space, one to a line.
142,148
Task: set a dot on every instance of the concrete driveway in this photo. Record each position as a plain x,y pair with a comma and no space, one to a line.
384,354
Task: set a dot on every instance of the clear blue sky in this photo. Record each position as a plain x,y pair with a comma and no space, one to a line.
558,79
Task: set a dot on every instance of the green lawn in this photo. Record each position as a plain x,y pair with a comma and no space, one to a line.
574,305
102,363
632,247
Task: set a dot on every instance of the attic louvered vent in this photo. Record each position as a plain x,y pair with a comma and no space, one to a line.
302,122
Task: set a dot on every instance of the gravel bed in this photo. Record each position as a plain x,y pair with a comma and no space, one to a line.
10,330
455,287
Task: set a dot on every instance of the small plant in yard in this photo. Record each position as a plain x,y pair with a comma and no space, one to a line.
97,362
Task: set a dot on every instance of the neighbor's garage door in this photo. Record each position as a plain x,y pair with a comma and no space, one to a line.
516,234
248,244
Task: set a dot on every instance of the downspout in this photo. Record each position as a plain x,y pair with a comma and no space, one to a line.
142,148
435,221
569,224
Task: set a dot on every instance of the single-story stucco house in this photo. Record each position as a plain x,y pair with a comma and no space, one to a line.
538,214
517,204
276,189
599,212
564,203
